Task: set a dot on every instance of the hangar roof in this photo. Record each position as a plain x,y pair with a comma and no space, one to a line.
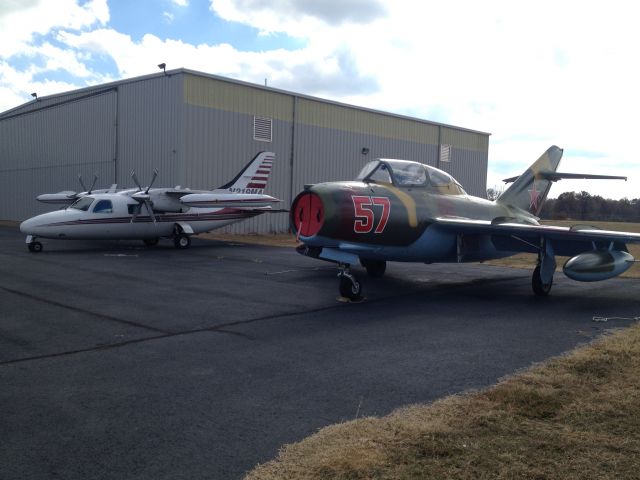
50,100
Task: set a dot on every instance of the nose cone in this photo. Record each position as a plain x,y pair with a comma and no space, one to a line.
37,225
28,226
307,214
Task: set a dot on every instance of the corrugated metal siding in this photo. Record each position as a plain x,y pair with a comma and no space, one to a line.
220,143
54,100
149,117
324,154
198,131
45,151
468,160
354,120
477,142
220,95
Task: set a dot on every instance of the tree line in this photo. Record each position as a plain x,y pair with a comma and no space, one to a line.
584,206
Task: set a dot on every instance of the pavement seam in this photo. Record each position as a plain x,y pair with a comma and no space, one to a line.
80,310
219,328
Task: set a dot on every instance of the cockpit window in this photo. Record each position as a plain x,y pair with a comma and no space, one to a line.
439,178
409,174
380,175
376,172
82,204
367,169
103,206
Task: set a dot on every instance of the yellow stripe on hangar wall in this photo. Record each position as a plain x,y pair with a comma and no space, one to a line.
220,95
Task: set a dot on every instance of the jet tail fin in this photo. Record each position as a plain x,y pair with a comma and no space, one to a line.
253,177
529,190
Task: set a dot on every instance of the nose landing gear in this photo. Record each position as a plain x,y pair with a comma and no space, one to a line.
350,287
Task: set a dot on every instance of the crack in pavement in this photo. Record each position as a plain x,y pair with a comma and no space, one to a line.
222,327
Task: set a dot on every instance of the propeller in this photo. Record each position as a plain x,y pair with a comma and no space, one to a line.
93,184
144,197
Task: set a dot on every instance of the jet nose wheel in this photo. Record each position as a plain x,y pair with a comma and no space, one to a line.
349,286
34,247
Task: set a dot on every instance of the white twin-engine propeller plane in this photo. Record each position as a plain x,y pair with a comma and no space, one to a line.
149,214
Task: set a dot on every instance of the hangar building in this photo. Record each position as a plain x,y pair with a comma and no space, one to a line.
199,130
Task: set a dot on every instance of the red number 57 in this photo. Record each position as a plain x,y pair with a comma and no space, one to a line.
364,214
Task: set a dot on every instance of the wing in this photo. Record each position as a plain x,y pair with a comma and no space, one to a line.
508,235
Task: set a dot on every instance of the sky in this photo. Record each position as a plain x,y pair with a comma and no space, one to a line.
533,74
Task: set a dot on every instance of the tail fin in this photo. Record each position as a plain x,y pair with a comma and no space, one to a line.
529,190
253,178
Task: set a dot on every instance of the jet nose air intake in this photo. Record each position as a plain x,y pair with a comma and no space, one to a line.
307,214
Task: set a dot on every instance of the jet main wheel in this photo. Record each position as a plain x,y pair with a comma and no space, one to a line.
34,247
182,241
539,288
150,242
375,268
350,287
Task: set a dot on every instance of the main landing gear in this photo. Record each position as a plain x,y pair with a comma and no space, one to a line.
542,278
35,247
180,238
540,288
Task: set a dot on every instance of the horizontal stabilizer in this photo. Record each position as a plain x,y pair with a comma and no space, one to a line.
555,176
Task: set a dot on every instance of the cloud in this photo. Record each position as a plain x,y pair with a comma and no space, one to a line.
532,76
19,24
333,72
279,15
168,16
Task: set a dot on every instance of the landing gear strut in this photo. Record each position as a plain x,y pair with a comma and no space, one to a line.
349,286
542,279
539,287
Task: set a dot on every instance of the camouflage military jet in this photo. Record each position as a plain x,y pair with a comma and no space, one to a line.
398,210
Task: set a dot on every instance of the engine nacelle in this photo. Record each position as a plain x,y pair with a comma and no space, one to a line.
597,265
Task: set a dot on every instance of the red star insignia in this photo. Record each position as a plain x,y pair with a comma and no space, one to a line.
533,194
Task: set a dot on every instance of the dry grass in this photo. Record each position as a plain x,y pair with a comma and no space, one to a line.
271,239
575,417
528,260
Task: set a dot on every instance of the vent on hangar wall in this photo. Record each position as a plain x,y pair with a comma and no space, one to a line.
445,153
262,129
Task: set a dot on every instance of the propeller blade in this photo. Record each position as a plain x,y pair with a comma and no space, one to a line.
84,188
153,179
135,179
93,184
147,204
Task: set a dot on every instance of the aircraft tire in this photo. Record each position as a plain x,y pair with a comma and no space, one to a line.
35,247
374,268
150,242
350,289
182,241
539,288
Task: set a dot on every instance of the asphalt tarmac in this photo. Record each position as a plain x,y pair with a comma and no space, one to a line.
119,361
